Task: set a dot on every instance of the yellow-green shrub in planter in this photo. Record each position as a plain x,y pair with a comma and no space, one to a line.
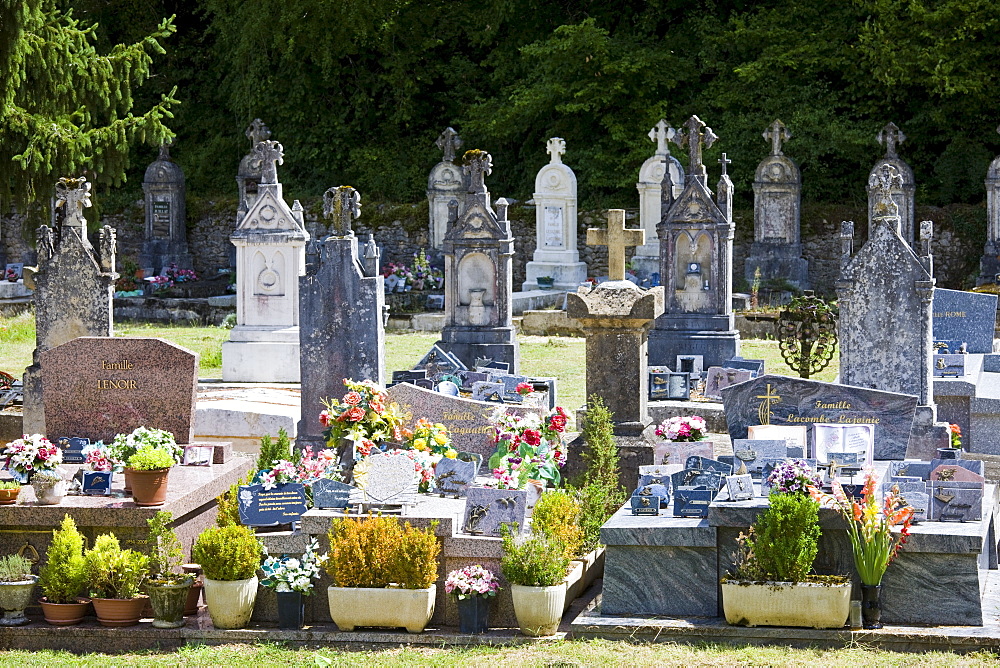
229,557
383,573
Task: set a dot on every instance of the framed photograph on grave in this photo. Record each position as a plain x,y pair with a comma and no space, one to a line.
793,435
13,272
844,438
198,455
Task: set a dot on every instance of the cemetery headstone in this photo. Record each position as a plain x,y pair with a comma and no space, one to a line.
696,263
331,493
720,378
659,171
706,464
677,452
486,510
776,252
198,455
783,400
445,183
949,366
697,478
909,468
954,473
73,448
96,483
270,243
97,387
556,255
260,507
756,366
752,453
989,263
166,223
967,317
646,505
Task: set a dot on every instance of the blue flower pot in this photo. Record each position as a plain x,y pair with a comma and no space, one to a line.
474,614
291,610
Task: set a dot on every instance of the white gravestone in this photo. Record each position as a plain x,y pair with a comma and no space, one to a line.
444,184
556,252
647,256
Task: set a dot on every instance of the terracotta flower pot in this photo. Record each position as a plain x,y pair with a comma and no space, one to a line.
119,611
193,599
8,497
65,614
149,488
127,475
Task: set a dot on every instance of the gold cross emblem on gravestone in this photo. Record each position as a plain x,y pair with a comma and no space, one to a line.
616,238
764,412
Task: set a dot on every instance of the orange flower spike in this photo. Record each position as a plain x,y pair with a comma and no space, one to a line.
857,511
869,488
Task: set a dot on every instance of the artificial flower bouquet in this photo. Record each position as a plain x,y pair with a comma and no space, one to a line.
364,416
289,574
528,448
30,454
793,476
470,581
307,469
685,428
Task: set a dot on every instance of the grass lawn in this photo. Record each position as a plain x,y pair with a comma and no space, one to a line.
557,653
560,357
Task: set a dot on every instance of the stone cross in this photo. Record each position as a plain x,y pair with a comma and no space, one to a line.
616,238
776,133
891,136
695,138
269,154
885,180
661,134
555,147
74,196
342,205
449,142
165,151
725,162
257,132
478,165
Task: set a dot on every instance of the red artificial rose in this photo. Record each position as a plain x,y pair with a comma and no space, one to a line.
376,405
324,418
352,398
532,437
354,414
557,423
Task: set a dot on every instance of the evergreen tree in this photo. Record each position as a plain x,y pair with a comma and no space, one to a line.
65,108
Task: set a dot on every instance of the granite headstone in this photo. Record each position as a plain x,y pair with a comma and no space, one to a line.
752,453
740,487
965,316
677,452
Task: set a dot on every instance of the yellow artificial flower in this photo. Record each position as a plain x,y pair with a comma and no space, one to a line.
451,454
420,444
440,438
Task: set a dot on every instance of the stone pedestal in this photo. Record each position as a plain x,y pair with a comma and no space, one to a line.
616,317
777,261
989,264
341,334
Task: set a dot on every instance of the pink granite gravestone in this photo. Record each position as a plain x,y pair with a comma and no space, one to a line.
97,387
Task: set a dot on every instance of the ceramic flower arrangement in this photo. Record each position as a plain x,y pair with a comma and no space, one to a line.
290,574
471,581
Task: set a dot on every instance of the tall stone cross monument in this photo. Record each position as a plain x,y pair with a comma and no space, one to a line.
270,245
902,192
444,184
777,251
555,255
166,228
696,262
73,288
659,169
989,264
616,238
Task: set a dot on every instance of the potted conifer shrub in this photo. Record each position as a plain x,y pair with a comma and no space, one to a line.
167,588
149,468
535,565
770,583
16,585
229,557
63,577
115,577
383,573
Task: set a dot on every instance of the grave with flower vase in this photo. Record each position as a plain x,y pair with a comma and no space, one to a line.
941,576
95,388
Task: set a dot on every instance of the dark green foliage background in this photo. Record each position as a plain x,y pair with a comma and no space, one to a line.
357,90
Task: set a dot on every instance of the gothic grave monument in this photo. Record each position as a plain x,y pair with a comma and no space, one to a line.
445,183
166,227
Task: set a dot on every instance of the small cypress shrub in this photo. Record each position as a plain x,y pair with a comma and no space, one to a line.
783,541
228,553
533,560
375,552
271,451
557,515
601,493
62,578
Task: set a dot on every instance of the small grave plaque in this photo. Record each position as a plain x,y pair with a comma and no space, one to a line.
695,478
408,376
447,387
384,479
955,473
453,476
198,455
754,366
740,487
949,366
658,490
647,505
956,501
849,459
73,447
856,438
435,302
913,494
706,464
677,452
654,475
483,363
259,507
977,466
487,509
96,483
692,502
719,378
331,493
17,268
794,437
438,360
482,391
752,452
909,468
469,378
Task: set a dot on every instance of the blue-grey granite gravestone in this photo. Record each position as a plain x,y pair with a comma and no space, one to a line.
72,447
783,400
646,505
331,493
752,453
259,507
740,487
956,501
965,316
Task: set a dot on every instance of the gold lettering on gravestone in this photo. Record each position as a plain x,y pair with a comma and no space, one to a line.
124,365
107,384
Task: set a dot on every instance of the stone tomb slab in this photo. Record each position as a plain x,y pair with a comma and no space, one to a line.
486,510
96,387
965,316
783,400
468,421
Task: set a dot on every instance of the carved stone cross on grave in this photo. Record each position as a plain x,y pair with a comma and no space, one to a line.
694,137
269,156
616,238
661,134
342,205
74,196
555,147
478,165
885,180
776,133
449,142
725,162
891,136
257,132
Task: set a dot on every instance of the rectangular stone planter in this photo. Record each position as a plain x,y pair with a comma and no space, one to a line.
804,604
351,607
